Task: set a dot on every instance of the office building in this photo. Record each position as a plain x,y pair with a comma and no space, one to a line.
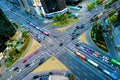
7,30
50,8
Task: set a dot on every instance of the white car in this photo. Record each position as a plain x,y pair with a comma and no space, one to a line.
38,28
32,64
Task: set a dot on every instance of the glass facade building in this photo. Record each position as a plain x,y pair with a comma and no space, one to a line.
53,7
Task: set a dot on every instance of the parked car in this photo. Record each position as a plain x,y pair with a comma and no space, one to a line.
79,6
36,76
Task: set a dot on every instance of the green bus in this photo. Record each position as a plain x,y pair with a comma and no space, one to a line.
115,62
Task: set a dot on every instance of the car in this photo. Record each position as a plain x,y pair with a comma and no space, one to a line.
88,51
38,28
30,56
81,47
61,44
36,76
27,65
32,64
47,34
31,23
36,52
41,30
79,6
41,61
106,58
76,44
11,69
24,61
16,68
100,15
28,21
96,53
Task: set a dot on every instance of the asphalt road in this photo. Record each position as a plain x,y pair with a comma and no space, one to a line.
98,60
80,68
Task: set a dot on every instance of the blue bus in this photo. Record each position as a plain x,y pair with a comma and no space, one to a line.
113,76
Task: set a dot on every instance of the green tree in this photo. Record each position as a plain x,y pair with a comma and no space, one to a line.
41,13
108,4
113,18
64,17
111,13
71,77
60,17
90,6
24,34
99,1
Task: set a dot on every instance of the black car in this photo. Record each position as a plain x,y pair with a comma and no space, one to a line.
79,6
41,61
36,76
27,65
61,44
16,68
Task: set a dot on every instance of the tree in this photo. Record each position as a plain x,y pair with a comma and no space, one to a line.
24,34
90,6
71,77
60,17
57,17
113,18
108,4
65,17
111,13
99,1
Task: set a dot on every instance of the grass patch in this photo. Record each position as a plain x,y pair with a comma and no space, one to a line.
63,28
63,23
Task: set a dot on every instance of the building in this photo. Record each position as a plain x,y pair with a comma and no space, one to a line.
57,77
7,30
73,2
48,8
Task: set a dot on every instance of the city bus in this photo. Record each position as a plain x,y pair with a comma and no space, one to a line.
80,55
115,62
110,74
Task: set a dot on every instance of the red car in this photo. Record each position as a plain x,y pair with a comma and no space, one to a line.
36,52
47,34
25,61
